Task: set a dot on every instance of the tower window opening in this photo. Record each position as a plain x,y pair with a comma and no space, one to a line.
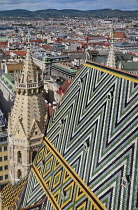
19,157
19,174
36,132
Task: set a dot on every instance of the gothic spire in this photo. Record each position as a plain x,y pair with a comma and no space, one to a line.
111,57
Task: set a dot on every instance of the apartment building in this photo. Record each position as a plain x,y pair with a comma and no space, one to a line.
4,163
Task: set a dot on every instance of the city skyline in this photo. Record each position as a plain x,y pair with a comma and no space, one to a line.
34,5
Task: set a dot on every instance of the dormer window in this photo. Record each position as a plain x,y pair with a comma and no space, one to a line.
110,95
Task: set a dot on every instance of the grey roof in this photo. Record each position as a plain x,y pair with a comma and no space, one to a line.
1,72
60,56
101,59
125,60
125,44
73,56
130,66
124,57
40,57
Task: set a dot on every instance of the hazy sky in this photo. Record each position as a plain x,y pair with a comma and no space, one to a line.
68,4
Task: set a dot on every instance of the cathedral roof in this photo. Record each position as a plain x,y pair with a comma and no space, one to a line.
88,158
11,193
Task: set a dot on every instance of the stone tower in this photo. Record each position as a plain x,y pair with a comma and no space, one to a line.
26,120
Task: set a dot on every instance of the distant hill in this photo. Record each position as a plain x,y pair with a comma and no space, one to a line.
103,13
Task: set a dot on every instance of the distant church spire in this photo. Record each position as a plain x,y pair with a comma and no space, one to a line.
111,57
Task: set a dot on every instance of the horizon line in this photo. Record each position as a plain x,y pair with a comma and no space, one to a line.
69,9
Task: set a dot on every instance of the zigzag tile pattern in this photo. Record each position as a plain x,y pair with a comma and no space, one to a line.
11,193
94,129
61,184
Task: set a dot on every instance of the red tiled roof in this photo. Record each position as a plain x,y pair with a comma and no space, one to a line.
20,53
70,40
99,43
131,53
119,35
106,44
63,88
38,40
7,52
47,47
92,37
59,40
3,43
49,109
83,44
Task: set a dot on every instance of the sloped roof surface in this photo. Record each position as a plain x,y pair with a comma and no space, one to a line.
11,193
90,145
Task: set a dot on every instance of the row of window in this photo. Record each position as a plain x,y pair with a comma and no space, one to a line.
5,148
6,177
5,167
5,158
3,139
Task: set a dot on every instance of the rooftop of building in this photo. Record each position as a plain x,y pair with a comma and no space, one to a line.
123,61
20,52
64,69
130,66
119,34
8,80
114,71
11,198
13,66
125,44
63,88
